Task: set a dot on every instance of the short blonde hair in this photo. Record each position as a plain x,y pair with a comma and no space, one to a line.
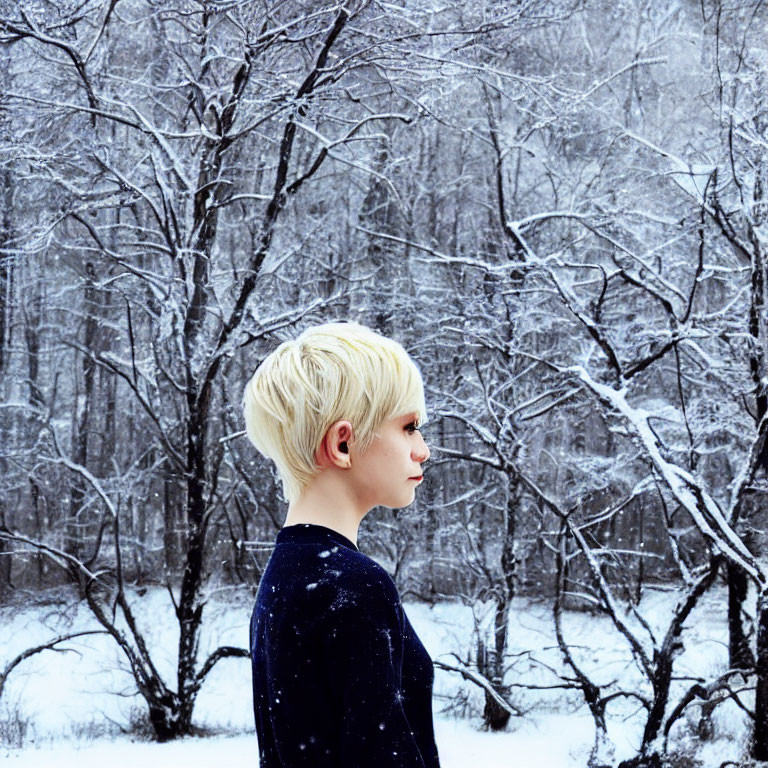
334,371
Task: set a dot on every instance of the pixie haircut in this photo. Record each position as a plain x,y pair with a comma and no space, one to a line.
334,371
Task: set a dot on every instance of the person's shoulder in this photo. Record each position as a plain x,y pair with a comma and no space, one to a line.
333,578
358,570
328,577
359,588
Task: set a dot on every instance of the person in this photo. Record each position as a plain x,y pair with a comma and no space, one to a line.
340,677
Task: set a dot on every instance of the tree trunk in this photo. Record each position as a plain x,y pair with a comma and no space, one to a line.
739,653
6,582
6,270
759,745
493,715
6,304
76,529
32,320
640,560
642,761
172,526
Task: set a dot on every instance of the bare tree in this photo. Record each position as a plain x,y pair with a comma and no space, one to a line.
151,220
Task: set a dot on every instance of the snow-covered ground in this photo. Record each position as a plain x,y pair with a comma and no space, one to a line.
77,704
459,743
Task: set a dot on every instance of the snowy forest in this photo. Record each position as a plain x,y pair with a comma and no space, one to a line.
558,207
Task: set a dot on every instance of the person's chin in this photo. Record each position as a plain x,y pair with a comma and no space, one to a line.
405,501
409,499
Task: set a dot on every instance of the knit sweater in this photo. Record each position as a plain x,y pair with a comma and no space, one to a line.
340,678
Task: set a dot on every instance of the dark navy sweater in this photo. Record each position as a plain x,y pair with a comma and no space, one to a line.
340,678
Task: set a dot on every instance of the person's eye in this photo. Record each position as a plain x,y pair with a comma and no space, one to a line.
412,427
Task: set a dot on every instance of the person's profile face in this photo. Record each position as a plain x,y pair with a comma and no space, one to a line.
389,472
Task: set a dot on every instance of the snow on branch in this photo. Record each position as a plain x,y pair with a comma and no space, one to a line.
704,510
49,646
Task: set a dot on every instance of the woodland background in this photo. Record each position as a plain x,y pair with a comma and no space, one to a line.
557,207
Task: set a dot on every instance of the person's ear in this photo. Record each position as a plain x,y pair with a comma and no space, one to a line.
342,430
331,450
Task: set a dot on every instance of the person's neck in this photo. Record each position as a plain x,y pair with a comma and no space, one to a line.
330,500
313,507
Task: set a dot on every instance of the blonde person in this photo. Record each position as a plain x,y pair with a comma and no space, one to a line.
340,678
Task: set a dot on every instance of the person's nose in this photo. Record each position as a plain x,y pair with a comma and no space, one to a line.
422,453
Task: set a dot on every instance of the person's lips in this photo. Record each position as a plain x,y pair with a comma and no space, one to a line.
420,477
